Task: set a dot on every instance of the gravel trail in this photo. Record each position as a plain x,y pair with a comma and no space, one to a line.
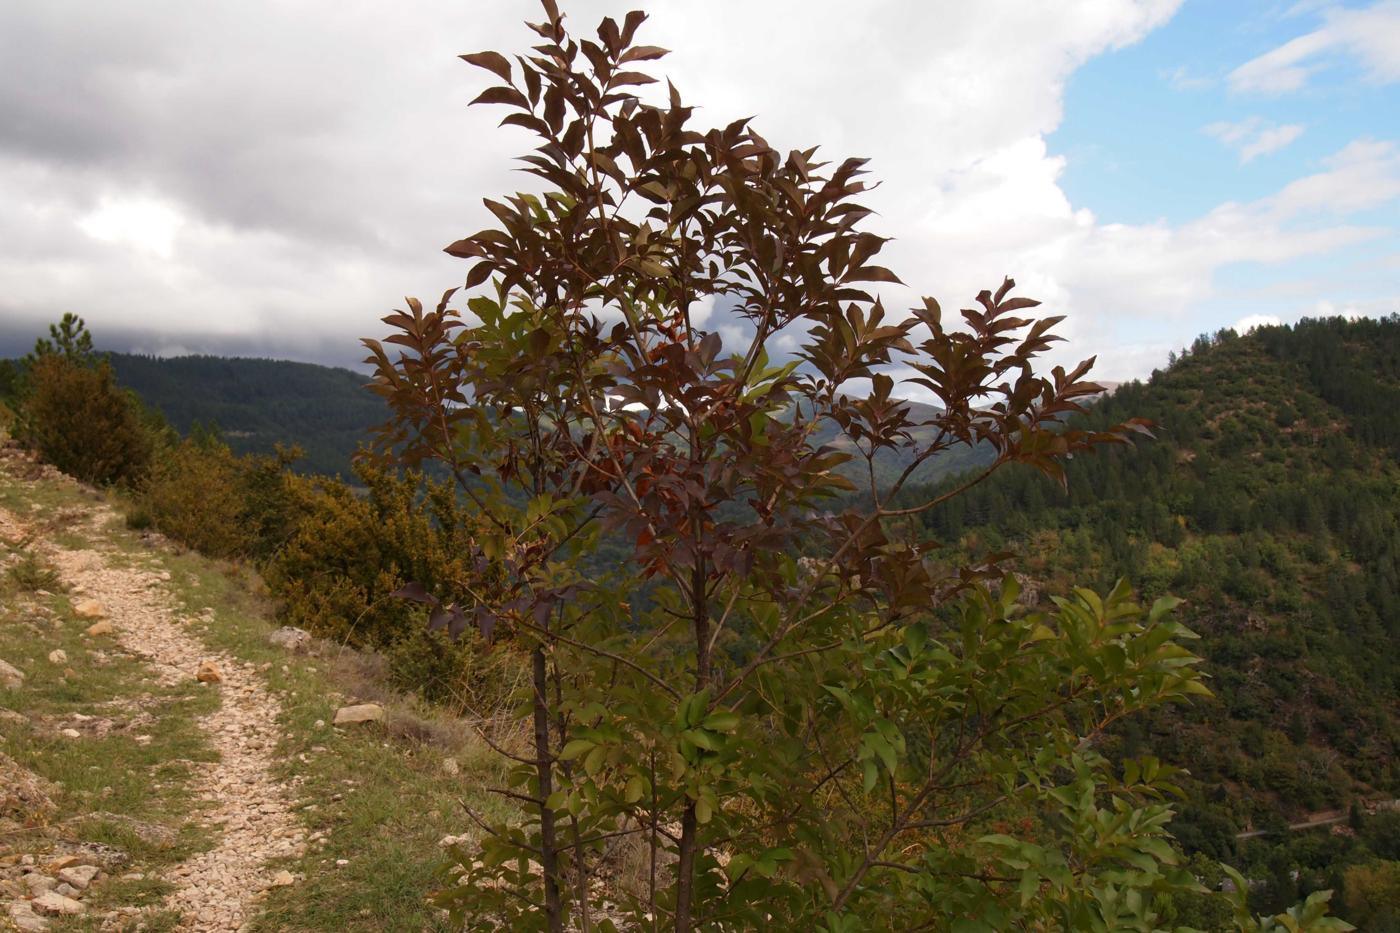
249,809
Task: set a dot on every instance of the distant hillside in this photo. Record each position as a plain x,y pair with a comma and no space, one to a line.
1271,501
257,404
327,411
889,464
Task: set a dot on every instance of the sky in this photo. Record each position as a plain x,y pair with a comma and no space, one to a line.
270,178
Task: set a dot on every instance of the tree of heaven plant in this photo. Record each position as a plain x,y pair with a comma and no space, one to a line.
752,705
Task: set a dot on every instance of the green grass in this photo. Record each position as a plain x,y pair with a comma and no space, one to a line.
378,796
31,574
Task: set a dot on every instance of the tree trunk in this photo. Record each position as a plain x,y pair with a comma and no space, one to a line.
685,866
685,871
544,768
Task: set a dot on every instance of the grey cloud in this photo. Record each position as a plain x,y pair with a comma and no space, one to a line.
317,155
329,350
306,119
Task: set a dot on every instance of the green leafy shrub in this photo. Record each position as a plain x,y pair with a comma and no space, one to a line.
872,736
351,552
64,403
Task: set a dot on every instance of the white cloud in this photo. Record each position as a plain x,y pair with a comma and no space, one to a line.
1370,37
1270,140
318,156
1182,78
1117,281
1250,321
146,225
1252,137
1363,174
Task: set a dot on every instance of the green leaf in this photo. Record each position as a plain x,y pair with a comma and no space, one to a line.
703,739
722,721
1161,607
593,762
574,748
703,811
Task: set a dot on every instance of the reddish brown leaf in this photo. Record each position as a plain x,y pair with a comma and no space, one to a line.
502,95
494,62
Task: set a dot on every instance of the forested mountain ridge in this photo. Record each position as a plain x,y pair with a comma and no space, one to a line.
258,403
327,411
1270,500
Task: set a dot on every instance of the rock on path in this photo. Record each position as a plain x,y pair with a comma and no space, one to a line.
215,890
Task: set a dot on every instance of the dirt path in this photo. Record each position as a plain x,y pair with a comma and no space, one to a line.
215,890
1324,818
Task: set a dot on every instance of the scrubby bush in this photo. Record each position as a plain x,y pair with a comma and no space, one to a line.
31,574
192,496
202,495
67,407
77,418
352,552
1373,896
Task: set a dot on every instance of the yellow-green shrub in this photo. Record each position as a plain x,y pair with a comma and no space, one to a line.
353,548
1373,895
192,496
202,495
77,418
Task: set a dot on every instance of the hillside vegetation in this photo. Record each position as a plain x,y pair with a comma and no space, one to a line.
257,404
1271,502
1261,501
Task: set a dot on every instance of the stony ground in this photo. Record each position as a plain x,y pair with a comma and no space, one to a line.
215,888
237,794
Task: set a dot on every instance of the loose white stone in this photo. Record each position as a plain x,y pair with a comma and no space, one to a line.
364,712
89,609
56,905
291,638
25,919
79,876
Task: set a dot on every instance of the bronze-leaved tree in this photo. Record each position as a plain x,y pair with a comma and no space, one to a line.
751,705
